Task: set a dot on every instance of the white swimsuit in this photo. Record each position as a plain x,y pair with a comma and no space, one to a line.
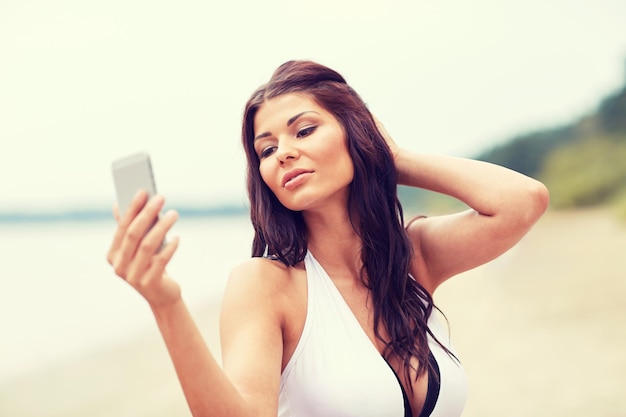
336,371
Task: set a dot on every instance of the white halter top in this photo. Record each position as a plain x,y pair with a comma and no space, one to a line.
336,371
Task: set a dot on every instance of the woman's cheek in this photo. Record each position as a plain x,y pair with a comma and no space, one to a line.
267,177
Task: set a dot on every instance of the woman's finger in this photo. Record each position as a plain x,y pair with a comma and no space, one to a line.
138,201
137,204
160,261
134,233
151,243
385,134
155,285
143,223
116,212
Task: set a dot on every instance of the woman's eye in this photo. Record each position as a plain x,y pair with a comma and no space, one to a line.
306,131
265,152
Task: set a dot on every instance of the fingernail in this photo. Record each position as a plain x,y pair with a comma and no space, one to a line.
157,200
171,214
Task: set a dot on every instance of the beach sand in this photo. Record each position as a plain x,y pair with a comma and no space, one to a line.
540,332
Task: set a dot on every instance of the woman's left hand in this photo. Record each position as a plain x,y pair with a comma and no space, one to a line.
390,142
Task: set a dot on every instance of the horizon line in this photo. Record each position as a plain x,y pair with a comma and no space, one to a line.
82,215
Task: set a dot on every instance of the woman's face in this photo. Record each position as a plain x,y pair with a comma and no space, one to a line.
303,152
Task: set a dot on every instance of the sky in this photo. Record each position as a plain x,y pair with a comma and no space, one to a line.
83,83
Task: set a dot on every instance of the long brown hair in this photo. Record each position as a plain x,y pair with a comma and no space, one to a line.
400,302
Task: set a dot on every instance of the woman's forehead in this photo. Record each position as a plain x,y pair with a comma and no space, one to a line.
278,110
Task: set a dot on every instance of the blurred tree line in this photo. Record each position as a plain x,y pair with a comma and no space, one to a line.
582,163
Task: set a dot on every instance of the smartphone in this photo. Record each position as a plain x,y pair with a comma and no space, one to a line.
130,174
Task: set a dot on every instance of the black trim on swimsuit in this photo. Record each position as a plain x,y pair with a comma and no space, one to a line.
432,392
407,405
434,386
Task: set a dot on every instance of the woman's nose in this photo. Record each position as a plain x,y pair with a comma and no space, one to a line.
286,151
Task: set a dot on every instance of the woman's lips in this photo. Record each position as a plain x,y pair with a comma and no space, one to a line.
295,177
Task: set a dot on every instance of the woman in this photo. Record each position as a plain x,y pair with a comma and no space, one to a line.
333,314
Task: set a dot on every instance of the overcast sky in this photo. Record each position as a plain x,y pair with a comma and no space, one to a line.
85,82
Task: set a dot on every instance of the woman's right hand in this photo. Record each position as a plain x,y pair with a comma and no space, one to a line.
136,253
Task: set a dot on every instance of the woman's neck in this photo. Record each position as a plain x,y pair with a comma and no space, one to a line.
333,241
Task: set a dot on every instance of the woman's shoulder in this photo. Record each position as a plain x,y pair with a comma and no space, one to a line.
265,289
264,275
257,267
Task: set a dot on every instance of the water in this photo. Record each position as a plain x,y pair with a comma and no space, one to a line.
59,297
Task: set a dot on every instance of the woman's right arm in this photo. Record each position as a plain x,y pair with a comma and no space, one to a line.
255,337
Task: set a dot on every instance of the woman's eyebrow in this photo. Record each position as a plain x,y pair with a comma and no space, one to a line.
289,123
294,118
261,135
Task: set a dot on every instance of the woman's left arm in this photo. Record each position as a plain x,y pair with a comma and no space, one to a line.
504,205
